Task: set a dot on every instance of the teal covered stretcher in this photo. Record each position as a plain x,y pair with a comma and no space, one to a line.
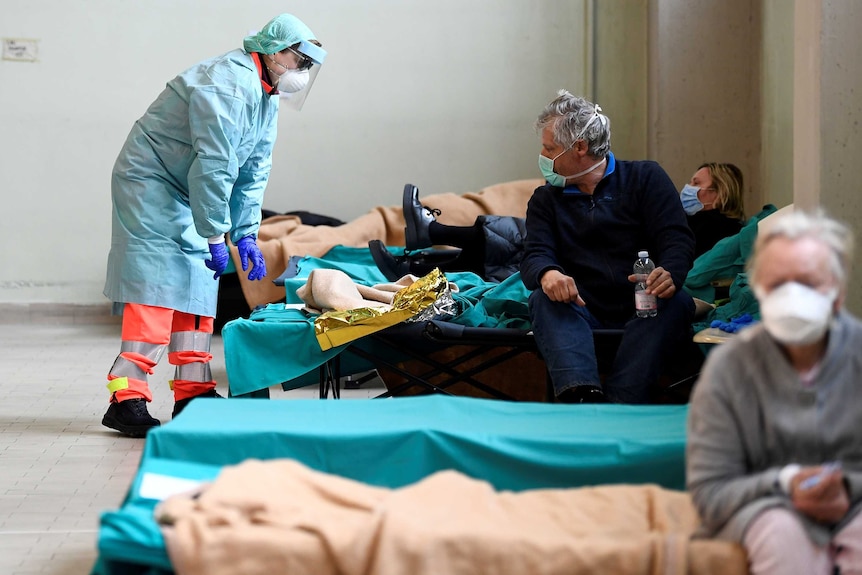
276,344
514,446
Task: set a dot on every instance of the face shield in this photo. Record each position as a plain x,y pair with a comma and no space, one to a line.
294,85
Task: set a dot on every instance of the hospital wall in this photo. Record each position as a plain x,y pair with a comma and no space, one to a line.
686,76
840,126
442,95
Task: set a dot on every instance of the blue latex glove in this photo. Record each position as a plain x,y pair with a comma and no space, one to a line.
249,252
734,325
219,260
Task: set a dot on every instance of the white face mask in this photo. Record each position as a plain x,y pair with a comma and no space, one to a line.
293,81
796,314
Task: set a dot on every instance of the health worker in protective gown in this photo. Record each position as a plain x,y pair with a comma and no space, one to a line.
193,169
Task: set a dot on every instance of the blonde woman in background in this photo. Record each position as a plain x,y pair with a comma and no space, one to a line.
713,202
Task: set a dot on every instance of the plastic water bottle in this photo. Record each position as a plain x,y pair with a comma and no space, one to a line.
645,304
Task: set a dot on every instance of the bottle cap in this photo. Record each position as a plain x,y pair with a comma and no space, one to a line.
643,254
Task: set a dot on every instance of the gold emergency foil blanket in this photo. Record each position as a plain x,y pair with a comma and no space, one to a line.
334,328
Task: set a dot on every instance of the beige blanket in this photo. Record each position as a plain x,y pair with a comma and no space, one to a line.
281,237
279,516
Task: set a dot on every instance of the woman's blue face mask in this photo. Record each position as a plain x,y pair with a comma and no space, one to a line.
690,202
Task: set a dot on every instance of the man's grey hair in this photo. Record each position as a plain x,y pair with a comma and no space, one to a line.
568,115
817,225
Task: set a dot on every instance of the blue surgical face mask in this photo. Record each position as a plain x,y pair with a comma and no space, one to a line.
690,202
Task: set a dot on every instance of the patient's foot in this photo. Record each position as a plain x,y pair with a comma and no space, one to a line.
418,218
393,268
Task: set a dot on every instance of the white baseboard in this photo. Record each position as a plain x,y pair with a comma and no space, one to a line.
53,313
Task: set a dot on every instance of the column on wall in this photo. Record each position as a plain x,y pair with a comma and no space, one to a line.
840,123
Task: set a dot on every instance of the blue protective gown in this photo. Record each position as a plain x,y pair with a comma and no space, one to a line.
194,166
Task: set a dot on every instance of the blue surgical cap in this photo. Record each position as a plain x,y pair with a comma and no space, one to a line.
279,33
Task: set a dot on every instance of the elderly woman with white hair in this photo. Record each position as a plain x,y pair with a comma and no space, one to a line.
774,450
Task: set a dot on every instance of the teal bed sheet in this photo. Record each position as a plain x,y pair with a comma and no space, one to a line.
276,344
392,443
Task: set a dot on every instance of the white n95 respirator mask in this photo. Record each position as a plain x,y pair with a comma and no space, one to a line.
293,81
796,314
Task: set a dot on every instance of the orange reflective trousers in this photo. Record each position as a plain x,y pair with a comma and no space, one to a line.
147,330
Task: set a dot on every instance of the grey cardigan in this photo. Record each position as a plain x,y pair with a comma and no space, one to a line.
750,416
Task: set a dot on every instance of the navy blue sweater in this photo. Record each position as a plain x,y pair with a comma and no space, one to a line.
596,238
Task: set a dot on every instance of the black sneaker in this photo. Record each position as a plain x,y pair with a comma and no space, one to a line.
181,404
130,417
582,394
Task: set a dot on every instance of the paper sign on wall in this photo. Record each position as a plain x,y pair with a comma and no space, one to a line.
20,49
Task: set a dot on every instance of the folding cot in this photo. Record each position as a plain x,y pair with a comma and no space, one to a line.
514,446
414,344
405,355
276,344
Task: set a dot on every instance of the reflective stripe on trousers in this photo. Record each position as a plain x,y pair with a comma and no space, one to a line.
190,352
135,362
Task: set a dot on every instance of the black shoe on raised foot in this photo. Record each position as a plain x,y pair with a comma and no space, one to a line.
130,417
181,404
582,394
393,267
418,218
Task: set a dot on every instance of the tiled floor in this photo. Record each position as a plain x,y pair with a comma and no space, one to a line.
59,468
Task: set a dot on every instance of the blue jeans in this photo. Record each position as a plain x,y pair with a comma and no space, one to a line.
563,333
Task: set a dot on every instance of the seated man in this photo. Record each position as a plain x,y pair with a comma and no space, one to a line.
584,232
777,403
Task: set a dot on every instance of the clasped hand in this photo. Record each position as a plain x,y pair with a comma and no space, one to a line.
826,501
